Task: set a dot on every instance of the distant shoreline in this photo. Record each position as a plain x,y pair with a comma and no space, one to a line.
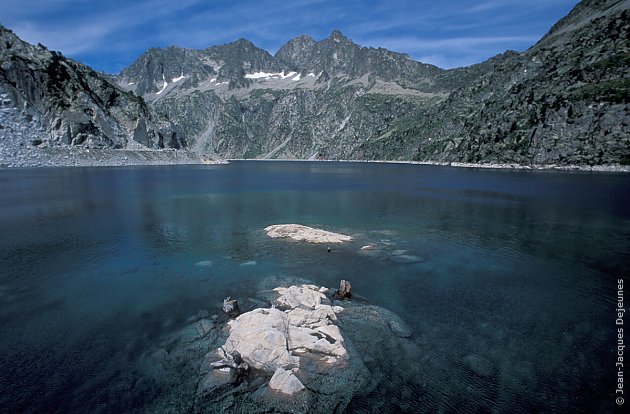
82,157
498,166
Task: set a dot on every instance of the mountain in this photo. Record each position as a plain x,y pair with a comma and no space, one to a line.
157,68
311,100
562,102
338,56
74,105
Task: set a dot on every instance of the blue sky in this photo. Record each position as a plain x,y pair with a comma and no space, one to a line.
110,34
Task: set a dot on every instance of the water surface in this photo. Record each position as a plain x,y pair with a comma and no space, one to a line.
511,303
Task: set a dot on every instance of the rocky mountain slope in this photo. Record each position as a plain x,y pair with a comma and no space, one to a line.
564,101
311,100
74,105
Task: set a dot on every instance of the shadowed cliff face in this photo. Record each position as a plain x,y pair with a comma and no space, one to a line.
564,101
74,104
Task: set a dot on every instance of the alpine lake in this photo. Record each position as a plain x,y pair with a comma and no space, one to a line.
507,281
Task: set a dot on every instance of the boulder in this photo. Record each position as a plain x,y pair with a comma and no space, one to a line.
285,382
270,338
325,340
304,296
345,289
230,305
304,233
260,337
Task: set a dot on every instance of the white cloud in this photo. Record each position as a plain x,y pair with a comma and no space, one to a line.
453,52
83,32
489,5
417,45
81,39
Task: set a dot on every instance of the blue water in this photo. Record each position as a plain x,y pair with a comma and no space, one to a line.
518,268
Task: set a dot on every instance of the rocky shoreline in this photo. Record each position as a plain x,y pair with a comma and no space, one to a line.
592,168
23,143
588,168
105,157
27,155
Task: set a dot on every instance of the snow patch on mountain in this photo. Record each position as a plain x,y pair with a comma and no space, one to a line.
163,86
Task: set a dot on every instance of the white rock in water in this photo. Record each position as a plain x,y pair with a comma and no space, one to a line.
304,233
249,263
310,318
285,382
305,296
204,263
260,336
325,340
269,338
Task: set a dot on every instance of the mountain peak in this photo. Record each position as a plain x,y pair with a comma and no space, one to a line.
296,51
583,13
337,36
304,38
242,42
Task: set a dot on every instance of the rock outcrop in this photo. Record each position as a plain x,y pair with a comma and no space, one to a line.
345,289
74,105
312,378
285,382
299,232
564,101
278,341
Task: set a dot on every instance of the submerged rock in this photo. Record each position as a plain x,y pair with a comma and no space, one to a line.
479,365
406,259
304,233
374,252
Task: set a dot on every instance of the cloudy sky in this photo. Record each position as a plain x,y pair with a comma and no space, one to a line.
110,34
